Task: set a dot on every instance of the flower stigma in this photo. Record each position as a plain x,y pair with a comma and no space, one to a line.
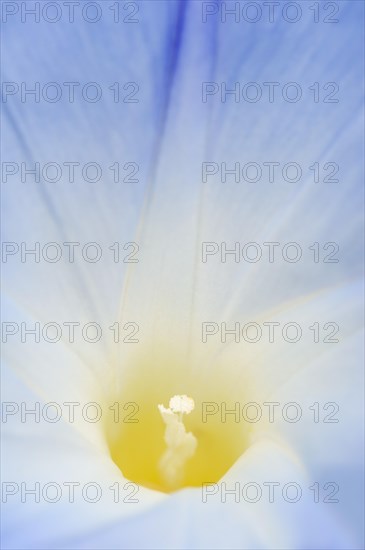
181,445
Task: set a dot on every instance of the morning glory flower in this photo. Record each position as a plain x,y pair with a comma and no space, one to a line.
169,109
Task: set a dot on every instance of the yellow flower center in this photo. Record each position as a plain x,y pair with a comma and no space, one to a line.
138,448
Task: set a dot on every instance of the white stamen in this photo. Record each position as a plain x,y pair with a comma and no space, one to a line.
182,403
181,445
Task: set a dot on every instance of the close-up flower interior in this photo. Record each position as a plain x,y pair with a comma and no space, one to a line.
182,268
